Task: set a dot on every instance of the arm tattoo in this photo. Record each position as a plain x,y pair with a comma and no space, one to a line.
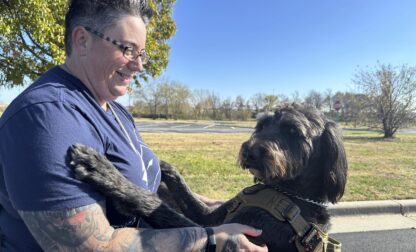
181,239
67,229
86,228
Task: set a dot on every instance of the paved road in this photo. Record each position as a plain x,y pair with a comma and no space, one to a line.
191,128
401,240
217,127
411,130
385,225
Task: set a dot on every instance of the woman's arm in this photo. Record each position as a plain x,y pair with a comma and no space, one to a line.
86,228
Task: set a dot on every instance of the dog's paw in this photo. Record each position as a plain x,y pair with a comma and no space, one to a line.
165,166
167,169
170,175
86,162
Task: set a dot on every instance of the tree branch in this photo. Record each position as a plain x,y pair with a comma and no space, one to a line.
27,47
43,50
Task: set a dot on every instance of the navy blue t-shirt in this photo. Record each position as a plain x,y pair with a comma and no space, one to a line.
36,131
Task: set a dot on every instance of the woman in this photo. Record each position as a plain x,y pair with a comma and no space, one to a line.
43,206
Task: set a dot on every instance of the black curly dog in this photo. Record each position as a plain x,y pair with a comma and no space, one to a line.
295,150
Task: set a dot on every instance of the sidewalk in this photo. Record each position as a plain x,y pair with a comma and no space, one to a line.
360,216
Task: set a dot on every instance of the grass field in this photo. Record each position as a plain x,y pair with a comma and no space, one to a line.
378,169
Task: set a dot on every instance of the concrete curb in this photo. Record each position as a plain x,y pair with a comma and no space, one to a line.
403,207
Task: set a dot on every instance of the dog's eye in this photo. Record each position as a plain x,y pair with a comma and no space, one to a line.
277,114
262,124
259,127
292,131
287,129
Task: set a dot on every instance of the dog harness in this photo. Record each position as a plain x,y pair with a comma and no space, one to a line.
309,237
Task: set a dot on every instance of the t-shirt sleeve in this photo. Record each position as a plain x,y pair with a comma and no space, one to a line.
36,166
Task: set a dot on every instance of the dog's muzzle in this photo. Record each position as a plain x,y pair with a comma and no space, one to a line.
248,156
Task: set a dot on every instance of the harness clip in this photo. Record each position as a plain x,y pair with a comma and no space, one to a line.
311,239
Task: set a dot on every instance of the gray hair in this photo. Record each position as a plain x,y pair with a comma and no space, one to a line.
101,15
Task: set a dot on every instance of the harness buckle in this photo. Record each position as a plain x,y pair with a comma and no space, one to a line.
311,239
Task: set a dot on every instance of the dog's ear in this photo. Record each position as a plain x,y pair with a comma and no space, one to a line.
334,162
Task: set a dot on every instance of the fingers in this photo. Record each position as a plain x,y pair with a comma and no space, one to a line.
250,231
230,238
236,228
246,245
237,242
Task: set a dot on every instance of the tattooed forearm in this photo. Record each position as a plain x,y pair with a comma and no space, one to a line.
186,239
86,228
67,229
181,239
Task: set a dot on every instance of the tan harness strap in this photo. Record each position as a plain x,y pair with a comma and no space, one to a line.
291,213
248,197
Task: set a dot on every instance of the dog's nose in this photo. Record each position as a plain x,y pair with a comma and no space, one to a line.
246,153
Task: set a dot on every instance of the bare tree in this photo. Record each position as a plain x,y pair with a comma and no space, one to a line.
257,100
179,100
314,98
270,102
242,108
198,102
296,97
355,108
148,99
164,93
227,109
392,92
214,102
328,101
282,98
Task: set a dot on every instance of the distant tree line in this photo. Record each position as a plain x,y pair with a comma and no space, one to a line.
166,99
385,99
161,98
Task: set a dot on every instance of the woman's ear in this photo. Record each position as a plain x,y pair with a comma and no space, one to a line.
80,40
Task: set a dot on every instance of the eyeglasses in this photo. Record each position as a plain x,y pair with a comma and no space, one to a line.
128,51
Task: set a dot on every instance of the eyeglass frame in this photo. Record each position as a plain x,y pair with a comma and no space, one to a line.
144,57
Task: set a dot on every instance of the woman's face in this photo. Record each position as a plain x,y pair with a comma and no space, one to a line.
107,71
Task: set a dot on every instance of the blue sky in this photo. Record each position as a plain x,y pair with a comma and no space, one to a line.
242,47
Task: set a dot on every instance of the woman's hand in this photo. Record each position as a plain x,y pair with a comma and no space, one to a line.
231,237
